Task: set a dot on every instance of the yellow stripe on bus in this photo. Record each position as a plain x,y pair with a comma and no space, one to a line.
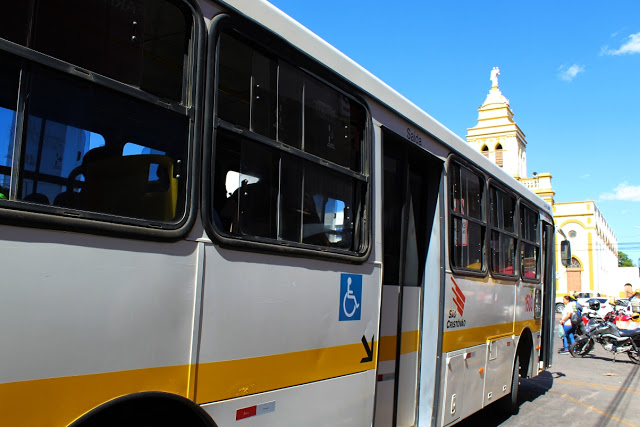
229,379
409,344
59,401
470,337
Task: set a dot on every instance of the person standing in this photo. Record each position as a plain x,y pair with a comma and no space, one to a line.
569,307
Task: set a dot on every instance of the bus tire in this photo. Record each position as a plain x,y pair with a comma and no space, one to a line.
509,403
148,409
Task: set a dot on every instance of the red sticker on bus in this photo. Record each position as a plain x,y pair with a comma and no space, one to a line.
246,412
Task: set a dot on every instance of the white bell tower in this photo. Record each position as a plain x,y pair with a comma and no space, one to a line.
496,135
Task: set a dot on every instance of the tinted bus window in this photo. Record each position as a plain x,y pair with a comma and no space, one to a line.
309,191
467,219
530,243
68,148
502,210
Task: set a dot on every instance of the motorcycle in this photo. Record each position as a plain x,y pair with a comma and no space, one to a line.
612,339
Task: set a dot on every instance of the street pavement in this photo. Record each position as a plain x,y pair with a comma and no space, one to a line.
585,392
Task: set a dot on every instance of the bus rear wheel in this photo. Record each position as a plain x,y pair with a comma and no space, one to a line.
509,403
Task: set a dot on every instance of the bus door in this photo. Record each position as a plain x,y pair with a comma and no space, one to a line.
547,305
410,193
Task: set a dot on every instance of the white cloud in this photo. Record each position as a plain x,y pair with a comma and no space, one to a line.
623,191
631,46
568,74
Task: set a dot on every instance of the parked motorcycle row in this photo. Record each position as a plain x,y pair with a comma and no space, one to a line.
603,330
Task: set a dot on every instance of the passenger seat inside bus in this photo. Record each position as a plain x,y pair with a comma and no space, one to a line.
37,198
138,186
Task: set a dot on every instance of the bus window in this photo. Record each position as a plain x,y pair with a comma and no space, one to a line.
274,195
72,147
308,190
138,43
467,219
61,167
327,125
502,208
530,243
250,208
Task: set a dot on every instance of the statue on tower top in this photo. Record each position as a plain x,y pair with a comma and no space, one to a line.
494,77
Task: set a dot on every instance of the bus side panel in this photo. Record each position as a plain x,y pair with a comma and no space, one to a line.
333,402
476,311
499,368
271,323
86,319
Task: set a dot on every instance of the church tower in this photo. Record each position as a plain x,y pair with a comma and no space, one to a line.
496,135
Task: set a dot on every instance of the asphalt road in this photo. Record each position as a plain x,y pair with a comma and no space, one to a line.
585,392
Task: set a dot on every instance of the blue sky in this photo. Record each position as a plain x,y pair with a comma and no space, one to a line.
570,69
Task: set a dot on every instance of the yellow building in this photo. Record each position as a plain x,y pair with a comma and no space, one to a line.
593,244
594,250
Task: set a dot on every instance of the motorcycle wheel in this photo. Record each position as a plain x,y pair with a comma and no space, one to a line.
634,356
581,347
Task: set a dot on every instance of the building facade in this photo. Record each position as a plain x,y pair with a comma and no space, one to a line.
594,250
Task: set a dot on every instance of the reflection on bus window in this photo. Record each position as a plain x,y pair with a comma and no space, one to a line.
334,215
9,75
7,124
155,171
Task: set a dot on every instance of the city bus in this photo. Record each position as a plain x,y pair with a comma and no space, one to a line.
210,216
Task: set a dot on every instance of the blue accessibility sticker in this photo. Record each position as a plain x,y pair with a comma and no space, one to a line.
350,297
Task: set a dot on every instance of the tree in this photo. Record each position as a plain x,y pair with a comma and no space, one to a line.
623,260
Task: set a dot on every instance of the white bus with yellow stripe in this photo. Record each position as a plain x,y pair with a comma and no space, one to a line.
209,216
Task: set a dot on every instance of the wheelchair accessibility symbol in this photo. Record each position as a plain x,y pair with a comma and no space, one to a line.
350,297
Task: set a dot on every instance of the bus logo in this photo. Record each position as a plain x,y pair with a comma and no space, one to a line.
528,300
458,297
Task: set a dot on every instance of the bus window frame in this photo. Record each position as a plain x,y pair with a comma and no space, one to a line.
521,241
21,213
464,163
266,40
493,182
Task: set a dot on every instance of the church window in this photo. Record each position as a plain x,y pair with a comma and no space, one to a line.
575,263
499,155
